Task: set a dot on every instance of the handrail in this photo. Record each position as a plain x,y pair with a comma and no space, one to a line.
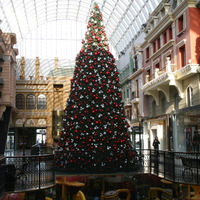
29,172
38,172
168,164
2,175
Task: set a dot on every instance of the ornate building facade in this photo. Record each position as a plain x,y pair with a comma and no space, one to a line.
40,102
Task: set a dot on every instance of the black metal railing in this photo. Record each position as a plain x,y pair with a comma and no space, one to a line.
175,166
2,175
23,173
29,172
95,161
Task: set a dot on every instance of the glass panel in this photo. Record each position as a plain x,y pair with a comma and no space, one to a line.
30,101
57,122
20,101
41,101
127,19
27,15
133,11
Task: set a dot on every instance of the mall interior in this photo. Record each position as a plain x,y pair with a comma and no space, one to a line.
156,46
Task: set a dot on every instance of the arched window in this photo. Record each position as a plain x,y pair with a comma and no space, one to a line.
154,108
30,101
20,101
190,96
163,105
41,103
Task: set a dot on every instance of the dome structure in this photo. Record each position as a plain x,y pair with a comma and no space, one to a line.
56,27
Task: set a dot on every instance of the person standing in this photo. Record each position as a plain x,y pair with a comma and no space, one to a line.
156,143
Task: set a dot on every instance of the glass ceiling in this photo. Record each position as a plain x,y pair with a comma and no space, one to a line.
55,28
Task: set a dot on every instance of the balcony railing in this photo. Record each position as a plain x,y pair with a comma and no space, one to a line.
2,175
95,161
25,173
167,68
175,166
28,172
127,101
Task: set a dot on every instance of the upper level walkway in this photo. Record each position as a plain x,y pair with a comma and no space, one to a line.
33,172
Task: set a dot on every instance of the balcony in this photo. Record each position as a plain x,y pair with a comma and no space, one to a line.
179,167
168,76
135,100
27,173
127,102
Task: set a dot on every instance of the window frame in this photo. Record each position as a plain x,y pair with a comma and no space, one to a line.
30,103
19,105
41,102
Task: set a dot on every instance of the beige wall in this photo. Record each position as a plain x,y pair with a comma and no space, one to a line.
56,89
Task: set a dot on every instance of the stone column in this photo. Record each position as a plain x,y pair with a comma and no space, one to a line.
37,69
22,70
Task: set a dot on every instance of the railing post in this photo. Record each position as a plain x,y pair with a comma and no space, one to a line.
173,156
150,161
164,162
157,163
168,64
197,168
39,172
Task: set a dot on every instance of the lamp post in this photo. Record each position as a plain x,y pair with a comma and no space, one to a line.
23,121
140,131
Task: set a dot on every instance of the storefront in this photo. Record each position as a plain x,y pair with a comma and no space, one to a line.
186,129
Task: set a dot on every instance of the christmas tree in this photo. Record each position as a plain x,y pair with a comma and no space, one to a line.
94,136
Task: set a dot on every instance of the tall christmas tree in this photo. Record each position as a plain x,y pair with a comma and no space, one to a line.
94,135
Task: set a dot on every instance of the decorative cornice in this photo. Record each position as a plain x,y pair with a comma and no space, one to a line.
138,72
182,6
135,100
181,43
163,49
159,27
156,81
186,71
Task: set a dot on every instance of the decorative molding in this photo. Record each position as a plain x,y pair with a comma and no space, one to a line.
42,122
181,43
187,71
156,62
42,87
160,27
31,86
163,49
136,74
167,53
30,122
19,122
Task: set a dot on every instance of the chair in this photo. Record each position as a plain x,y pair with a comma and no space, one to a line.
128,194
79,196
125,191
